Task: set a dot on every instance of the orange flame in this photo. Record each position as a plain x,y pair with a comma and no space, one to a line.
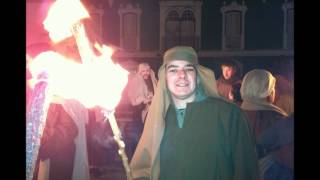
60,20
97,83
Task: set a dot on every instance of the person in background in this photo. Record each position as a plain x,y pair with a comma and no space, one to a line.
231,74
140,92
258,94
62,153
190,132
76,145
141,89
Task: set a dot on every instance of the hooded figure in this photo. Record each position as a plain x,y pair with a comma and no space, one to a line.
206,139
141,89
258,94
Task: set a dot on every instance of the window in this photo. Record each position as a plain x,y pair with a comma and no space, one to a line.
130,31
172,29
187,28
233,26
233,30
130,27
180,31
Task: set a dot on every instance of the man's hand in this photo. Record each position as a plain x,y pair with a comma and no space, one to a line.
149,98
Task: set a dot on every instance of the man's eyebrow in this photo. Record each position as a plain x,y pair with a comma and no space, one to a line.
172,66
175,66
190,65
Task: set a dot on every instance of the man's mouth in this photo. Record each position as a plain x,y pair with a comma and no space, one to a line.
182,84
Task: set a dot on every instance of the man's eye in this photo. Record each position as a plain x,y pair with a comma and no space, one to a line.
189,70
173,70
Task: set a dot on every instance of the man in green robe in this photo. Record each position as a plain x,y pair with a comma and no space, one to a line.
190,132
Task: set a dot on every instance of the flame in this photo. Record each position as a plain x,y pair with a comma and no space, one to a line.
59,19
97,83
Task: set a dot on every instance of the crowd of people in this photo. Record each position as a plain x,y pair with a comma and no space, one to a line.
187,125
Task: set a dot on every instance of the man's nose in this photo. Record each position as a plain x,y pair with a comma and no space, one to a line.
181,73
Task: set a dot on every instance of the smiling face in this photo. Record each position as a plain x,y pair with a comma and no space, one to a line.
181,80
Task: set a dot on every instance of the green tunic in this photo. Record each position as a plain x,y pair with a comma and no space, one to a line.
213,144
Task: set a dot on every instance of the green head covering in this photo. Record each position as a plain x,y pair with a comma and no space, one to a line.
181,53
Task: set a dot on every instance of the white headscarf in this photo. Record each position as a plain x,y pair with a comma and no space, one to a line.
256,86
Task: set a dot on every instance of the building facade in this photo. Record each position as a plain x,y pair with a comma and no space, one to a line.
258,33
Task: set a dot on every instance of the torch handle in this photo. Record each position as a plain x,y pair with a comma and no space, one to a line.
117,138
85,50
123,156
